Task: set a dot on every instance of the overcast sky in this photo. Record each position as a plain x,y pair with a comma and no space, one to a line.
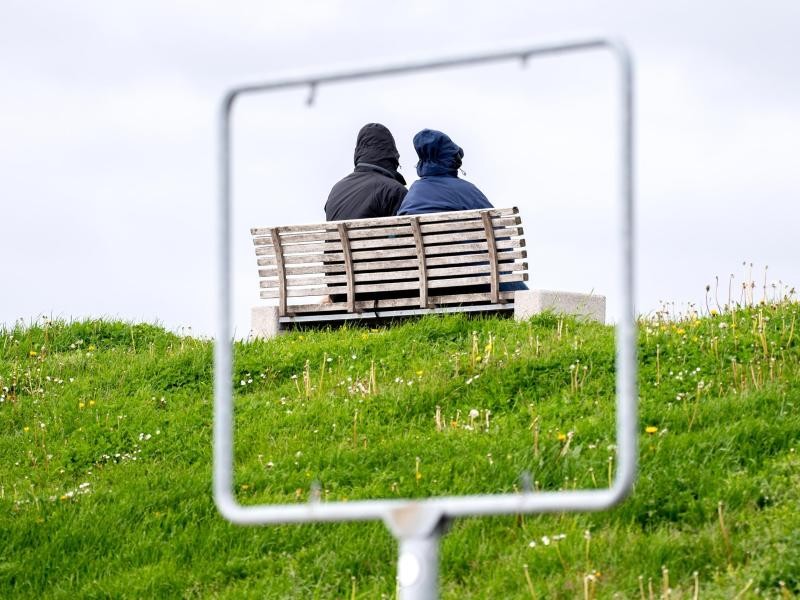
108,122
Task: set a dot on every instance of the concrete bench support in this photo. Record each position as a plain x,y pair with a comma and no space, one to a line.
533,302
264,322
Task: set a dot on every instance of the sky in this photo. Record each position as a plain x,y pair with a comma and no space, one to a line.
108,141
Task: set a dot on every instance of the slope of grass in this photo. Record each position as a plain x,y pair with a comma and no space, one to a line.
105,458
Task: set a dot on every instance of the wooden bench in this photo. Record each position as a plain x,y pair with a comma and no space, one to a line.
389,267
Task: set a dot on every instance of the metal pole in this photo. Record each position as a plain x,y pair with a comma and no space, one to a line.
418,567
418,529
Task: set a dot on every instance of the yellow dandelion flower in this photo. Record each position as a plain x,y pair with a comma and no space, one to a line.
91,348
26,429
680,331
561,436
244,487
651,429
714,312
33,353
420,373
81,405
91,402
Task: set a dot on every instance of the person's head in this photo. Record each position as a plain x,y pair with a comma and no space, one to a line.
438,154
375,145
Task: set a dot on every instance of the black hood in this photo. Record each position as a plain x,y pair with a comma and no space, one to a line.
375,146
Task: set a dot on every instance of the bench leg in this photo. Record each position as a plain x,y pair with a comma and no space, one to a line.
264,323
532,302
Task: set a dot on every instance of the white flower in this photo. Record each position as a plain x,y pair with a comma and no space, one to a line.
545,540
531,544
474,414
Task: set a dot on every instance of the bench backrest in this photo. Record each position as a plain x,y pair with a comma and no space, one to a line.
425,261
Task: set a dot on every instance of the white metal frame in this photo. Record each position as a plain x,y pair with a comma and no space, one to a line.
418,523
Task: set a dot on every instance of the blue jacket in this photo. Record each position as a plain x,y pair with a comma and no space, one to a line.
439,189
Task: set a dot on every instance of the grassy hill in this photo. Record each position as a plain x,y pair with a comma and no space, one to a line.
105,448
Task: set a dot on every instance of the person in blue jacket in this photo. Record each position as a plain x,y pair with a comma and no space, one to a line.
439,189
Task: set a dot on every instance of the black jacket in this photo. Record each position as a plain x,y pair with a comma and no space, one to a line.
374,188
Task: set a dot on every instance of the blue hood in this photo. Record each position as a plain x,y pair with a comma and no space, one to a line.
438,154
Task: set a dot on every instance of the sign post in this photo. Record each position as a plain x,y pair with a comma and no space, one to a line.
419,524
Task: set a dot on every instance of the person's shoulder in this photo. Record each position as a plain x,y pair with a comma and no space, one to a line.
388,183
345,179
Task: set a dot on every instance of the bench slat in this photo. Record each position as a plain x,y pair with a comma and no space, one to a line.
421,267
492,249
390,221
348,267
383,313
281,273
384,276
383,265
295,292
473,224
266,247
362,305
333,256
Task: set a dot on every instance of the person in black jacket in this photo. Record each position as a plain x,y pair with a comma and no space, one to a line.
374,188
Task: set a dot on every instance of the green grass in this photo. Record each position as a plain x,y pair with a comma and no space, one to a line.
105,472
